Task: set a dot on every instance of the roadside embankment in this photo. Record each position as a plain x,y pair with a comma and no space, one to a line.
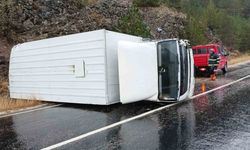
242,57
8,104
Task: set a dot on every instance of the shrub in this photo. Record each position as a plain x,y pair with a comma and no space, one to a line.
146,3
132,24
195,31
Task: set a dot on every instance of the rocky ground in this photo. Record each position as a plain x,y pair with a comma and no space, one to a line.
5,47
42,19
38,19
29,20
170,21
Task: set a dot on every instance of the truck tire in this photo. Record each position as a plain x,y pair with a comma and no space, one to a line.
225,69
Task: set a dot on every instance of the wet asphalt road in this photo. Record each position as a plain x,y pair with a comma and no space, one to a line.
220,120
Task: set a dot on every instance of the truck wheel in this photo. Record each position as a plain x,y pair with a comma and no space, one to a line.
225,69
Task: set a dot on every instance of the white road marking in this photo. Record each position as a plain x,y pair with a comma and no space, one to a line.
135,117
28,111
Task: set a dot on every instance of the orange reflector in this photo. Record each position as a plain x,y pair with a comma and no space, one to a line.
203,87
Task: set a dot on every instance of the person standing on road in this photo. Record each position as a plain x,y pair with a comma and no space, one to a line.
213,63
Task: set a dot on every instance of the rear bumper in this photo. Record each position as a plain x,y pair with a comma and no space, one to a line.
204,69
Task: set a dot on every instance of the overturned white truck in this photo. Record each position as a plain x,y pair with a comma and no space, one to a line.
101,67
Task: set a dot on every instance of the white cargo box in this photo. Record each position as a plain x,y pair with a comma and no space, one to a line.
79,68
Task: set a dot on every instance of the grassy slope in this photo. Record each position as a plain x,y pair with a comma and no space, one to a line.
7,104
240,58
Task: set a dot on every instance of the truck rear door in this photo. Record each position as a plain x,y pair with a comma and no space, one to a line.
201,57
138,79
223,58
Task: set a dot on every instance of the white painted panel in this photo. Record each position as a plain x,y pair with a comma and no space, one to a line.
56,91
138,75
192,80
64,40
58,78
112,39
60,85
64,99
50,69
55,62
53,57
81,46
79,69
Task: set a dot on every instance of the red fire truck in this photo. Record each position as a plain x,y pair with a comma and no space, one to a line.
201,56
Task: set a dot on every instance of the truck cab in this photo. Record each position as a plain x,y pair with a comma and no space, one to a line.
201,56
155,70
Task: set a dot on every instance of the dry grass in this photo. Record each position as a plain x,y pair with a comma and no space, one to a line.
4,91
7,104
239,58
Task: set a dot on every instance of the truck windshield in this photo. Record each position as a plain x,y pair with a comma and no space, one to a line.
168,67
